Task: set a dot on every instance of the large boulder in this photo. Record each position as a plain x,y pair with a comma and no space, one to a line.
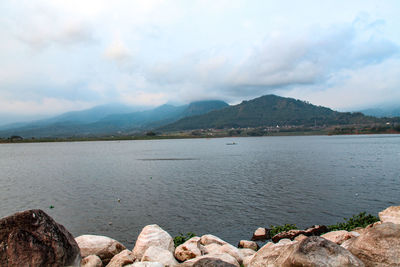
378,245
261,234
318,251
391,214
218,260
157,254
248,244
152,235
212,248
33,238
91,261
315,230
211,239
104,247
338,237
272,254
312,251
233,251
190,249
123,258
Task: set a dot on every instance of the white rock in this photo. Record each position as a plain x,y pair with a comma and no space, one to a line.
91,261
104,247
157,254
247,260
211,239
190,249
223,257
145,264
123,258
245,252
212,248
152,235
231,250
391,214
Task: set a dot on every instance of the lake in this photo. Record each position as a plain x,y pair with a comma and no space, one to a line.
201,185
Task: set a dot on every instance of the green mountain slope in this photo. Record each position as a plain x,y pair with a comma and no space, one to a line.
269,110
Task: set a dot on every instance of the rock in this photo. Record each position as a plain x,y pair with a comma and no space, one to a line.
272,254
312,251
318,251
391,214
300,237
221,260
33,238
190,249
157,254
261,234
245,252
315,230
91,261
231,250
248,244
145,264
378,245
152,235
212,248
123,258
104,247
338,237
247,260
211,239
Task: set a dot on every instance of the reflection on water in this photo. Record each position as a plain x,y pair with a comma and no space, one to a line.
201,185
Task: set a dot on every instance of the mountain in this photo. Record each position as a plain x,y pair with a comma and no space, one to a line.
388,112
105,120
82,116
269,110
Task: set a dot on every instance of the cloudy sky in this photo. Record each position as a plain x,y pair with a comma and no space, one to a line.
66,55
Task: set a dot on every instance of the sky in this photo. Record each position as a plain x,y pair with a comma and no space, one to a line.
63,55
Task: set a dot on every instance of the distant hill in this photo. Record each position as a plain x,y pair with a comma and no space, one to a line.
269,110
388,112
111,119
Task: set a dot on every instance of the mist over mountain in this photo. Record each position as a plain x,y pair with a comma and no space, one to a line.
109,119
384,111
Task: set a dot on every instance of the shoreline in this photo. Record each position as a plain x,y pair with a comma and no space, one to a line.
362,240
173,137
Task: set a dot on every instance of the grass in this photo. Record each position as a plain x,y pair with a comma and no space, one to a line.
181,238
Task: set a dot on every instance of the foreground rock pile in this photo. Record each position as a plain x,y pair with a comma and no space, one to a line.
32,238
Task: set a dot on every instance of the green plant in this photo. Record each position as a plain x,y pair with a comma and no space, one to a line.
181,238
281,228
360,220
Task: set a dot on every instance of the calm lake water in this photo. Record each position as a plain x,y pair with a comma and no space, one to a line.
201,185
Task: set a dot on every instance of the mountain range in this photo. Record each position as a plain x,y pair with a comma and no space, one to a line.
268,110
108,120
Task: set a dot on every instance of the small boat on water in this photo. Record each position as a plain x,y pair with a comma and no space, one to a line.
230,144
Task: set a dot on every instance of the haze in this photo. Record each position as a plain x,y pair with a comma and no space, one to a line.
58,56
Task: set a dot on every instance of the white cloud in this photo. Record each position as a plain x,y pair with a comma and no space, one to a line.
117,51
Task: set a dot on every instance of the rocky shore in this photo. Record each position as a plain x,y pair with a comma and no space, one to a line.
33,238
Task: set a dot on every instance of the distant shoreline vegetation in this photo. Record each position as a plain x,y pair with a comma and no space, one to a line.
220,133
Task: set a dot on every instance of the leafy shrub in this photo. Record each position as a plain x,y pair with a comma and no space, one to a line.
359,220
281,228
181,238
